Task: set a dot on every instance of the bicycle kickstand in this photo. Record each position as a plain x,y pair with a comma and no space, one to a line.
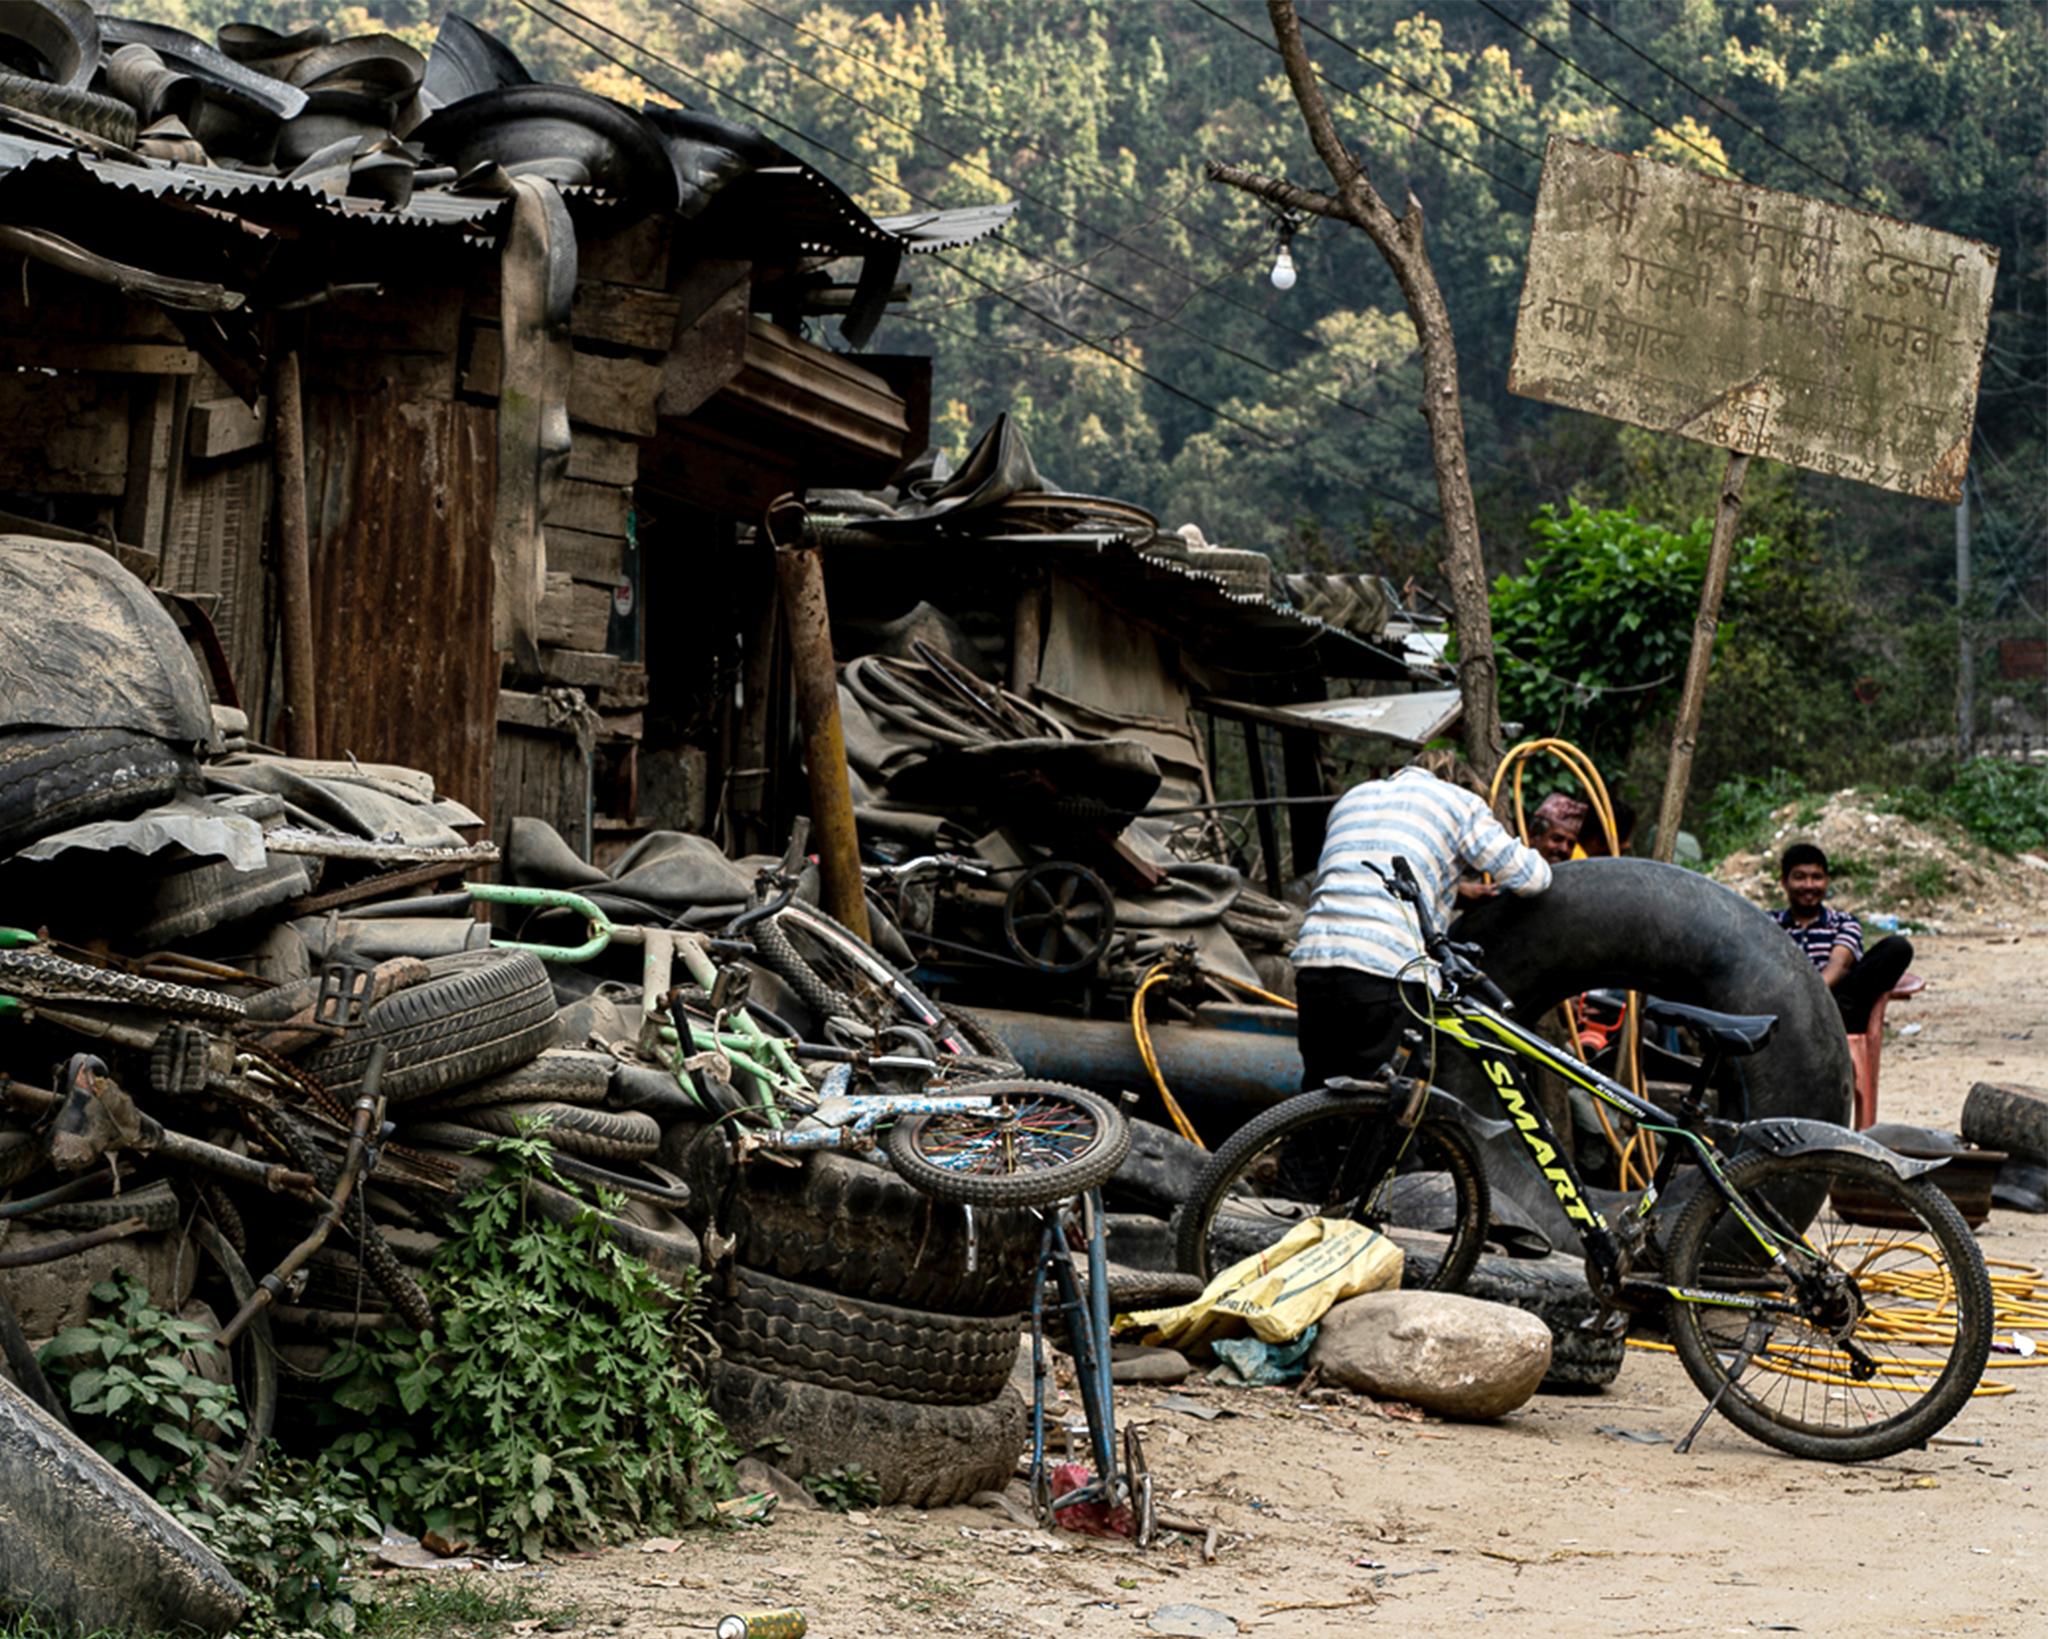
1754,1337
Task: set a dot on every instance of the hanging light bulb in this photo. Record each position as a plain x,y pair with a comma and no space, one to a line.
1283,269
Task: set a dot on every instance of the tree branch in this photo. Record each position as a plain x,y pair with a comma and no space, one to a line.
1278,191
1338,160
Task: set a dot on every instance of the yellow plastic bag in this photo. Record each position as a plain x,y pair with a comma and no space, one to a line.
1281,1292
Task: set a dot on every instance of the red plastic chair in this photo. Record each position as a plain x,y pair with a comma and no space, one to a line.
1866,1046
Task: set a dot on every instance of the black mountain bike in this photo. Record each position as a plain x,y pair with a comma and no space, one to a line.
1822,1294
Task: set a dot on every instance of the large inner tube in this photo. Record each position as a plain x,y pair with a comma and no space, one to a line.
1633,924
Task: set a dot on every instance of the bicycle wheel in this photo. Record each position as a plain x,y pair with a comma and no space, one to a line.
1036,1143
849,968
1332,1155
1888,1269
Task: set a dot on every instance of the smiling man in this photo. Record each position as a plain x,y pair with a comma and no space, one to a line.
1833,940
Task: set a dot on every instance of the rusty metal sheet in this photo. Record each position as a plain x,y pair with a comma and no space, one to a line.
399,493
1830,338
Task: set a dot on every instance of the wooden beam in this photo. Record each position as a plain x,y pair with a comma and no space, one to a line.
225,426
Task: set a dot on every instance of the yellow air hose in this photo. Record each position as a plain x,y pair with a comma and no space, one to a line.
1141,1030
1638,1155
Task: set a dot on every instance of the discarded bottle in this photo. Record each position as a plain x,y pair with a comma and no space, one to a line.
785,1623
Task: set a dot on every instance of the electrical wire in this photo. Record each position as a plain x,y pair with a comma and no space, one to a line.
1359,96
1448,106
1713,102
1635,108
1208,341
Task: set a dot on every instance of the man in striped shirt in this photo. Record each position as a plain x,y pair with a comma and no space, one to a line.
1833,940
1358,938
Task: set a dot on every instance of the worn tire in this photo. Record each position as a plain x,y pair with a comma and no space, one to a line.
154,1204
2009,1118
108,118
862,1346
561,1075
85,1546
855,1228
1554,1290
926,1456
598,1135
481,1014
54,778
1158,1174
908,1137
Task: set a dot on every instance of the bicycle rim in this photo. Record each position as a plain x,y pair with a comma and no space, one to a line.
1034,1144
1333,1156
1915,1299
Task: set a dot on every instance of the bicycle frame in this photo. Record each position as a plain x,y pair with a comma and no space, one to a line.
1497,1042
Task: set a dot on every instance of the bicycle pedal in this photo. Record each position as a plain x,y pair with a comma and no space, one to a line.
344,995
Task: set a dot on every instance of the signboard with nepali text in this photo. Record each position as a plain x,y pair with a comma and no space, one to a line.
1756,321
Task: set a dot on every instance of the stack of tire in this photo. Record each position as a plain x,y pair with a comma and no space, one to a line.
861,1323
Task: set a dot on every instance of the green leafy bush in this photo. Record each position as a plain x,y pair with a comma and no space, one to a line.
1736,814
2000,802
135,1379
1594,634
560,1402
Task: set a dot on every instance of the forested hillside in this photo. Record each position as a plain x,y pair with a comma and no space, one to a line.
1128,320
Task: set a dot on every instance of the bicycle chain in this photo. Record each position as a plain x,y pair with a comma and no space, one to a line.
53,979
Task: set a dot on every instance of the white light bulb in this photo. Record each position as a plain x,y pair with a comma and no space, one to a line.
1283,269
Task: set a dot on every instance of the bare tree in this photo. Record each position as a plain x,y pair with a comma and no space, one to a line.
1399,239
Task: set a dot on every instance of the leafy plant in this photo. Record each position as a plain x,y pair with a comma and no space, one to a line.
131,1378
134,1378
843,1489
2001,803
1594,635
560,1402
1737,812
440,1610
289,1540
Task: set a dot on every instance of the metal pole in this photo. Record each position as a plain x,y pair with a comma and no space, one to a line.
295,557
1966,658
801,578
1685,736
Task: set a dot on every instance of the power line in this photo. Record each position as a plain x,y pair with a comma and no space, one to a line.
1448,106
1713,102
1051,323
1210,342
1634,108
1215,410
1359,96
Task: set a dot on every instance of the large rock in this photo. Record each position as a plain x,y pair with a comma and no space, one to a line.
1455,1355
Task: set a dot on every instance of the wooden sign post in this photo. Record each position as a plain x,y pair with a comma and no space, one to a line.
1760,322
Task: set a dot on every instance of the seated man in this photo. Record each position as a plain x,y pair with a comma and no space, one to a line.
1834,939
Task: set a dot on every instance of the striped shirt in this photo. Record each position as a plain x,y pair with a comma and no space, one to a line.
1819,937
1441,830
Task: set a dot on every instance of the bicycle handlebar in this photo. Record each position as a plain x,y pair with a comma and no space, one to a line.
1456,960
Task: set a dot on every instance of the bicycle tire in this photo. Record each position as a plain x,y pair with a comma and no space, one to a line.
42,977
1898,1269
1066,1139
906,1003
1304,1177
782,959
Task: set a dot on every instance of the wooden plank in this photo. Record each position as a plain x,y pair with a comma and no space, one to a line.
112,358
636,255
152,459
65,435
624,315
598,559
225,426
622,725
213,548
584,670
595,509
613,394
597,458
709,351
574,615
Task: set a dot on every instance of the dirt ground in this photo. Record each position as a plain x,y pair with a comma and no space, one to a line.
1336,1521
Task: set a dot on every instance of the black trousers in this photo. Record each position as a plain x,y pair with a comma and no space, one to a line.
1877,974
1350,1022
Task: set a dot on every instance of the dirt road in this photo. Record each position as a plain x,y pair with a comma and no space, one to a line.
1335,1521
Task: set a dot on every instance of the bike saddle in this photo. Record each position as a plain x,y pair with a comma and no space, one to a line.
1733,1033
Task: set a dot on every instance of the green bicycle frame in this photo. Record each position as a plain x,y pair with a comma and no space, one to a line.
1497,1041
761,1059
